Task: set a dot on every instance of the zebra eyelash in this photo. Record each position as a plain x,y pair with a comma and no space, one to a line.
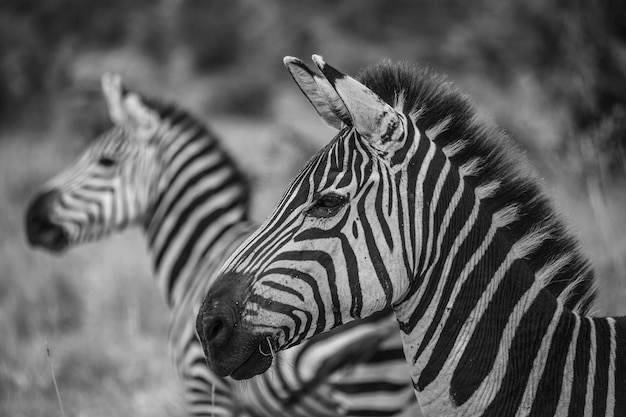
326,205
107,161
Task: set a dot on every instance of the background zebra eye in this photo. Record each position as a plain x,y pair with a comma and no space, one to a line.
106,161
327,205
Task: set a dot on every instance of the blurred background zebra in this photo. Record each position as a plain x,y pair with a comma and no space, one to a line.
559,89
159,168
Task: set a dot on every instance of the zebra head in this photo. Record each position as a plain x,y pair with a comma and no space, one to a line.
333,234
109,186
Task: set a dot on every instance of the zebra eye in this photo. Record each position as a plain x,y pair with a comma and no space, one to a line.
106,161
327,205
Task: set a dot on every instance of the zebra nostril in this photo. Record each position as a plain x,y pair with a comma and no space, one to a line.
214,329
40,230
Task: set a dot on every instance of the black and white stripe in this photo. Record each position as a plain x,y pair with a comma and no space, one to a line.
422,205
192,202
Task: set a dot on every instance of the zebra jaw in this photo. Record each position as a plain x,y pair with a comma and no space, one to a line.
243,356
51,238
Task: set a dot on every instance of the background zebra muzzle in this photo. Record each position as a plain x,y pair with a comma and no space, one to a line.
40,230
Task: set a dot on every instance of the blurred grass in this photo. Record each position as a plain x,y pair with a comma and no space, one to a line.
550,79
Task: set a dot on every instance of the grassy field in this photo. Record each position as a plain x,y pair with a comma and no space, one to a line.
96,307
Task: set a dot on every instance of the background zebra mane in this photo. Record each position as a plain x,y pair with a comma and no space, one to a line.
185,120
503,179
176,115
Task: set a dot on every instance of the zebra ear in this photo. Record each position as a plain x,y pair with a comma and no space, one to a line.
112,90
127,109
142,120
374,119
319,93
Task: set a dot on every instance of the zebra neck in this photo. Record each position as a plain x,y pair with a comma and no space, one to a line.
457,331
201,208
483,336
536,359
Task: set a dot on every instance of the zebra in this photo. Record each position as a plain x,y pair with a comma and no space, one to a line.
421,204
159,168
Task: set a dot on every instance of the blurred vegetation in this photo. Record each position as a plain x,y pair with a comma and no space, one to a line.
552,72
575,50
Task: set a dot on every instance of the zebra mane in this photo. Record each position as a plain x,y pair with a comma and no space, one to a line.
501,176
176,115
179,117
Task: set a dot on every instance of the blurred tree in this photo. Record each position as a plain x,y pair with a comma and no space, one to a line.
22,65
212,30
35,36
576,51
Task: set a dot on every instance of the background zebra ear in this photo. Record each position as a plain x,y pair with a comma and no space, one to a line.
374,119
112,90
141,119
319,93
127,109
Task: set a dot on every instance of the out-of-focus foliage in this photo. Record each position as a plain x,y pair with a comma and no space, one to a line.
211,29
575,50
38,40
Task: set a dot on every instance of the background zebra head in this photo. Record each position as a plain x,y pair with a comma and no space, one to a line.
110,185
354,230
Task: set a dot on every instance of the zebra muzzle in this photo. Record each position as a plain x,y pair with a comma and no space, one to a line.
229,349
40,230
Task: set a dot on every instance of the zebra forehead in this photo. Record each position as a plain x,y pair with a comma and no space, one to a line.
115,139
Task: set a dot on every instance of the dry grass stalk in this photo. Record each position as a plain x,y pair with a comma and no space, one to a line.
54,380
